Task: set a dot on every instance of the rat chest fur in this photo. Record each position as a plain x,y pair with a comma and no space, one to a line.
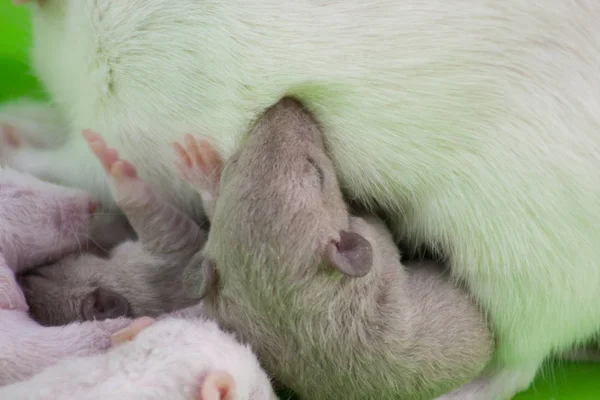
475,126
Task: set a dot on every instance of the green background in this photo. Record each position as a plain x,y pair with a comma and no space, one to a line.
564,381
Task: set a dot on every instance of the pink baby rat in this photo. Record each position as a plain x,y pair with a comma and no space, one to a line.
177,358
39,223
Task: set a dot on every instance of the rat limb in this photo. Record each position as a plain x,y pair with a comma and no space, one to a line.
201,165
162,228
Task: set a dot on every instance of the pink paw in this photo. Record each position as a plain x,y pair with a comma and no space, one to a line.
129,333
199,163
119,169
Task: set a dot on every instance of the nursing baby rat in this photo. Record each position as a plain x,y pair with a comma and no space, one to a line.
137,278
321,295
175,359
40,222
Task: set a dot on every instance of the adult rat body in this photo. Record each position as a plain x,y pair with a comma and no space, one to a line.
280,229
473,124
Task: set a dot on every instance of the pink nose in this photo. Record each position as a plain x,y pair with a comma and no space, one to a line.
93,207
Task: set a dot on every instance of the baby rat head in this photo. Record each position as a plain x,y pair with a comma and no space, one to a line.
40,221
130,282
279,201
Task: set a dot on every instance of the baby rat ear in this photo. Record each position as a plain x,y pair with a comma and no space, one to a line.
217,386
104,304
200,276
352,255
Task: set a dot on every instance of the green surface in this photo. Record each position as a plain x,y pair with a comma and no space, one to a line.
559,382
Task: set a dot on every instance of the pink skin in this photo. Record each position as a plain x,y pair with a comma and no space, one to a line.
180,358
27,348
216,385
201,165
40,222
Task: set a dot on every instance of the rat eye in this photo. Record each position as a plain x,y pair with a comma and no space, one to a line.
315,167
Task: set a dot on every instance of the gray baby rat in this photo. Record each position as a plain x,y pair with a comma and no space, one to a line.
321,295
137,278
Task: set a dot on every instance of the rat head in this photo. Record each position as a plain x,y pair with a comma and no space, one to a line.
129,282
40,221
279,199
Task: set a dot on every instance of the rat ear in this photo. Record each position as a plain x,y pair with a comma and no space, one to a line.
352,255
104,304
217,386
200,276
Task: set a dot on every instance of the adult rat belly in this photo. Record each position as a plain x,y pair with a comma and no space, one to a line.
475,124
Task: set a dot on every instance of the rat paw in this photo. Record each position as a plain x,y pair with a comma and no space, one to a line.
199,163
117,168
128,188
129,333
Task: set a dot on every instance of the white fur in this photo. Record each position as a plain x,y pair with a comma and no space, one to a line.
166,361
475,124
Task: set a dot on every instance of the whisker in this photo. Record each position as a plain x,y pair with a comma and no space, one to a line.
91,239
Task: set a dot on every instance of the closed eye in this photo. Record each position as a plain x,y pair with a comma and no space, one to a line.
317,168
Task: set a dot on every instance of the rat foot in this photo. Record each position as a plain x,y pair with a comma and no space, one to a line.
201,165
129,333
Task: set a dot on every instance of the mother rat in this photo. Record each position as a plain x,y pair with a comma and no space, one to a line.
476,125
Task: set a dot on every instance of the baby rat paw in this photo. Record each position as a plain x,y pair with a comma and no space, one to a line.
118,169
199,163
128,188
129,333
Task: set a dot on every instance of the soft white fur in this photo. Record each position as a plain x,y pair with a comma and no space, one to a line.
166,361
475,124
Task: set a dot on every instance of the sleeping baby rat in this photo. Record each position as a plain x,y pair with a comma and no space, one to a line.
176,359
320,294
137,278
